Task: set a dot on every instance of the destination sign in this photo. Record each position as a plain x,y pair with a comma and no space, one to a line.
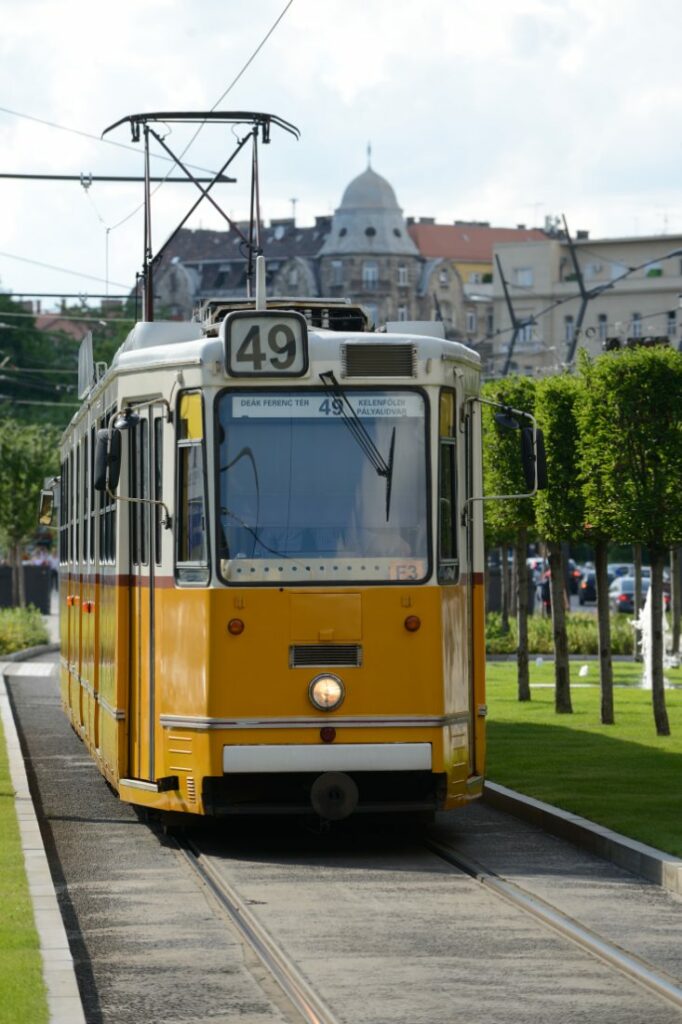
321,406
268,343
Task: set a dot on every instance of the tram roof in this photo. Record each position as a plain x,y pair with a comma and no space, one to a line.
159,342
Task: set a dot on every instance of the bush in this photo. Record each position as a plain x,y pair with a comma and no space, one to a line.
580,626
20,628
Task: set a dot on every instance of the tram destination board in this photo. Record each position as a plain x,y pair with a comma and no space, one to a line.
267,343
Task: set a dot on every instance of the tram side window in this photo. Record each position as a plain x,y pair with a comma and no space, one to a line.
192,550
139,488
91,510
448,562
76,507
83,506
64,514
158,487
107,515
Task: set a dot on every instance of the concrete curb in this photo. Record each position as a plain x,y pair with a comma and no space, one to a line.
661,868
63,997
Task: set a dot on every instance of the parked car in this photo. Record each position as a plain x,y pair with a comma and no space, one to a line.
587,591
622,594
615,569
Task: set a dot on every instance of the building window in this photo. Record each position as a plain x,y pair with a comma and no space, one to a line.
337,273
489,322
471,323
475,277
402,276
603,326
523,276
636,325
292,277
402,312
569,328
671,330
370,276
443,277
526,331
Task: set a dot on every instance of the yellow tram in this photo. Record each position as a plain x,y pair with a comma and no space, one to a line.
271,556
278,605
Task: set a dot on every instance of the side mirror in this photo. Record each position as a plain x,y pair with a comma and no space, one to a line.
107,460
46,508
533,456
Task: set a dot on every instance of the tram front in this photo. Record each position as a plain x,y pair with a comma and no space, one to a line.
341,644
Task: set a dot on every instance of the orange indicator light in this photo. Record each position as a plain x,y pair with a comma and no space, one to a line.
235,627
412,623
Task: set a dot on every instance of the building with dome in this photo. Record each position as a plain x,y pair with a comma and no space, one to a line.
367,252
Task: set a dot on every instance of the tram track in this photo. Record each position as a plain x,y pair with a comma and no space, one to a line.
633,967
296,989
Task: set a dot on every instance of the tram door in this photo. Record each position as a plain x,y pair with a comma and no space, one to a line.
475,586
145,556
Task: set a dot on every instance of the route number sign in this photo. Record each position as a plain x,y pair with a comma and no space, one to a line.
268,343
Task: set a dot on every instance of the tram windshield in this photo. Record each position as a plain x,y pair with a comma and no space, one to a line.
302,492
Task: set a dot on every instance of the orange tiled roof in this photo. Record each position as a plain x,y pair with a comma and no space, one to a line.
472,243
57,322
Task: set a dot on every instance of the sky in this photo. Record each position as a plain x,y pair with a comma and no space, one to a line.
507,111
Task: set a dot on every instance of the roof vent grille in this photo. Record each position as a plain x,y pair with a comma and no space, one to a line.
380,360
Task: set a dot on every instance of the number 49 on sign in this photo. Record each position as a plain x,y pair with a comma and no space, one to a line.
265,344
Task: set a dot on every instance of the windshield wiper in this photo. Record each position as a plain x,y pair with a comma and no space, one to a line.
361,435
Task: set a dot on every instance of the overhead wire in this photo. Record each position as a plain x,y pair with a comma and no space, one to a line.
62,270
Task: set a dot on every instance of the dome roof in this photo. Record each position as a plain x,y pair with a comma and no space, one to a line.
369,220
369,191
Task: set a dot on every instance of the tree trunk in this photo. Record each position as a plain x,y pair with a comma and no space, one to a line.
604,629
504,589
658,682
676,597
18,579
522,604
514,589
637,554
562,680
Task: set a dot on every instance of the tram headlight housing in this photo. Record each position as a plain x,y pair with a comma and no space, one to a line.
326,692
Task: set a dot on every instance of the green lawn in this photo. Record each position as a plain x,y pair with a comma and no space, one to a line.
623,776
22,992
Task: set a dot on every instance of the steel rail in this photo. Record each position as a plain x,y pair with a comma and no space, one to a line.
297,990
632,966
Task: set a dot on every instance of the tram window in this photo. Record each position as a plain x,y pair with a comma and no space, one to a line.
303,492
76,507
64,513
86,499
192,549
158,487
447,490
92,493
134,508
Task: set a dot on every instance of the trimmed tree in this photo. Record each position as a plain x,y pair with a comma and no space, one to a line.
510,520
632,466
559,509
28,454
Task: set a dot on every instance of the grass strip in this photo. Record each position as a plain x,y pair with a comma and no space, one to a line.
622,776
22,990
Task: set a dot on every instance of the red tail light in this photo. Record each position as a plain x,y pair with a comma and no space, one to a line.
623,597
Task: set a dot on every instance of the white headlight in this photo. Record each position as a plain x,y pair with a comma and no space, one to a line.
326,692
